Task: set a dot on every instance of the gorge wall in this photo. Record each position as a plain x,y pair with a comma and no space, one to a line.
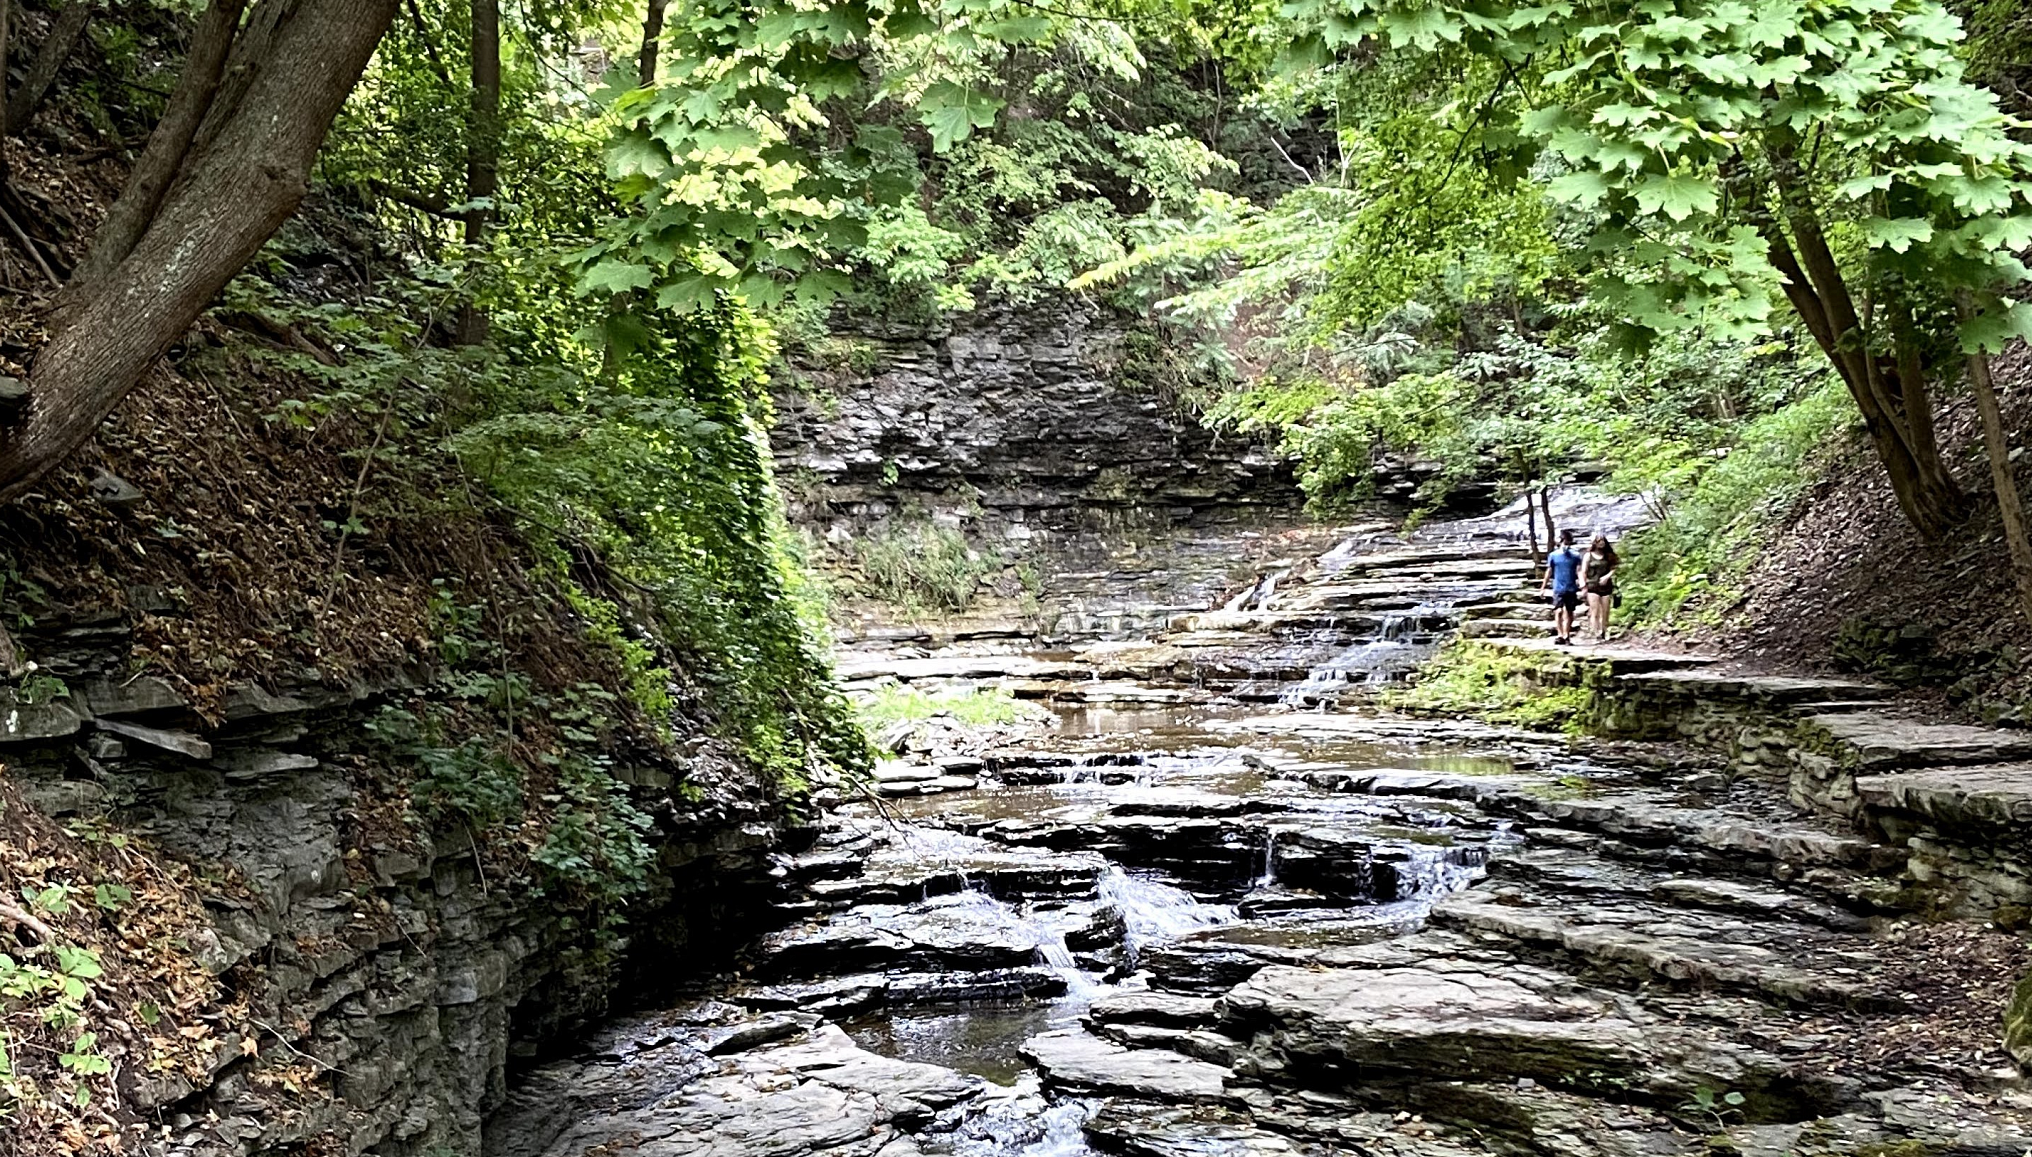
370,984
1012,419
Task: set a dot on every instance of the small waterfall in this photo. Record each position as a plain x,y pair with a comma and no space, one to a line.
1052,950
1153,912
1269,877
1394,649
1422,873
1027,1127
1053,953
1257,594
941,847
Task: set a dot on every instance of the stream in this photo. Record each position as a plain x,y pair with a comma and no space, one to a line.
1220,902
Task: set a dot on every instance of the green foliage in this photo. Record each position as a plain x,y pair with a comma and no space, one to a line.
943,145
35,689
1682,130
597,850
653,464
923,564
1713,1108
472,782
975,707
1506,687
1726,508
53,984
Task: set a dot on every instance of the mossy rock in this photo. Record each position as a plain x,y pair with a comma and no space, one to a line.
2018,1023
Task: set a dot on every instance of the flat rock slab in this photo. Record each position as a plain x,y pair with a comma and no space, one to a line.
1773,957
1996,795
1170,1009
821,1096
1641,819
1089,691
1881,742
1776,690
951,934
1620,660
956,667
1309,1127
1445,1024
1074,1060
1512,628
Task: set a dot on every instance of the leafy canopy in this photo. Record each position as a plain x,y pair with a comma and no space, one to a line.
1675,119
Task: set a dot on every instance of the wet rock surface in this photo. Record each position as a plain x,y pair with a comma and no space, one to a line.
1183,921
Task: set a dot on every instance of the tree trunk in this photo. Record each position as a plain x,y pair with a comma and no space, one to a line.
5,7
652,37
483,147
1531,522
1900,421
165,151
1900,427
2009,505
64,33
1551,531
227,200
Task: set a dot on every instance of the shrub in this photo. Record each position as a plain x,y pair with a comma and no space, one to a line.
1689,561
977,707
1472,678
924,565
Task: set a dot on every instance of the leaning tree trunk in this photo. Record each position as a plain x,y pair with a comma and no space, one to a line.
65,31
2002,476
1892,397
483,147
167,146
289,72
1890,392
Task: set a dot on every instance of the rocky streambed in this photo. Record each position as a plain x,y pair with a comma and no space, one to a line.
1200,915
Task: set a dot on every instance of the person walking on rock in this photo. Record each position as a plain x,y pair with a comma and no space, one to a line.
1598,581
1562,578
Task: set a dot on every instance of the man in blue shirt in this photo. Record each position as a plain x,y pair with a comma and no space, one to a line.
1562,578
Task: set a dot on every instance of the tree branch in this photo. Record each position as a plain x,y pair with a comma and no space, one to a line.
167,149
652,34
437,63
224,203
64,33
17,915
429,203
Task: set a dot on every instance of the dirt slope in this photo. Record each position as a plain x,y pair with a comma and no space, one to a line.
1846,584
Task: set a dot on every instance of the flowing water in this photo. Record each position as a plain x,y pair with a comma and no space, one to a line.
1154,843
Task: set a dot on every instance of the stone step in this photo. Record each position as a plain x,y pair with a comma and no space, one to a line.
1968,799
1507,606
1769,957
1507,628
1347,558
1620,660
1641,820
1410,569
856,668
1878,741
1586,874
1763,690
1644,821
1453,1019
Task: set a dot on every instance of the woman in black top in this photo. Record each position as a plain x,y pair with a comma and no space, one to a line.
1598,580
